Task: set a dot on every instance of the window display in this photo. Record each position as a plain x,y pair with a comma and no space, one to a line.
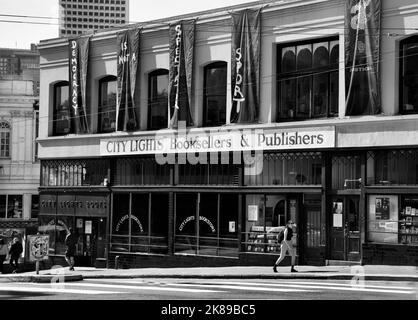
393,219
408,220
266,217
383,219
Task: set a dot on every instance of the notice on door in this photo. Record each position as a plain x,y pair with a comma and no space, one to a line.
252,213
337,220
232,226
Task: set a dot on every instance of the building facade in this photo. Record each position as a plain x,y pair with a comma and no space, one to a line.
19,125
79,16
136,186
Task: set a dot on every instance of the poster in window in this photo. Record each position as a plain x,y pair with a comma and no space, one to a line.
337,207
382,209
252,213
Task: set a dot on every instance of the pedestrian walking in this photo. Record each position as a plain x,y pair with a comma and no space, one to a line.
3,253
285,239
15,251
70,242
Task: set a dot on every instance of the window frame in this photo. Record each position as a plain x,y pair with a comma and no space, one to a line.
329,70
409,40
55,109
8,135
213,65
109,78
156,73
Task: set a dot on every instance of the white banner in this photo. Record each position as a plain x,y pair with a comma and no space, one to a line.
215,141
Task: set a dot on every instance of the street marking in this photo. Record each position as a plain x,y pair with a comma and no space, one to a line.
210,285
309,286
155,288
22,288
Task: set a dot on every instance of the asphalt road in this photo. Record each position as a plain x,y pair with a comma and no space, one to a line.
210,289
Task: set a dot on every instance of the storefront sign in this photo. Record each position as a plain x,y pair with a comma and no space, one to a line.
38,247
70,204
239,140
47,204
126,218
201,218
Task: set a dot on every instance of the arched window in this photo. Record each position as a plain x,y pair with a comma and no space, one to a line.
215,94
158,99
308,79
409,75
107,104
62,114
4,139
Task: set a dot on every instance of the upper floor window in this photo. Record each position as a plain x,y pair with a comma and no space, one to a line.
107,104
4,139
409,75
62,116
307,79
215,94
158,99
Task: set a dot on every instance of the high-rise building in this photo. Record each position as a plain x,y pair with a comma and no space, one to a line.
80,16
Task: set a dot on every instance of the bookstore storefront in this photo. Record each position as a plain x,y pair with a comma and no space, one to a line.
228,206
392,207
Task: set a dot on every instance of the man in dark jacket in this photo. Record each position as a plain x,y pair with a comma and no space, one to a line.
70,242
15,251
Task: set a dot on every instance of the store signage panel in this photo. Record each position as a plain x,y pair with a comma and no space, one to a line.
47,204
227,141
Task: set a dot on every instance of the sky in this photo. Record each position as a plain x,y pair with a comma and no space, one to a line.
22,34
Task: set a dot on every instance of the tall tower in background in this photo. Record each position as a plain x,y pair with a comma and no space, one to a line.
80,16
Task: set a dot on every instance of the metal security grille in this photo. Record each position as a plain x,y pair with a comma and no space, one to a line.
140,171
392,167
209,174
69,173
304,168
346,172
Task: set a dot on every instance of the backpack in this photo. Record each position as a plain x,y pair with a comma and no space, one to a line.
280,237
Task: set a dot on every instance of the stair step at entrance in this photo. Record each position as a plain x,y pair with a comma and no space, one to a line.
342,263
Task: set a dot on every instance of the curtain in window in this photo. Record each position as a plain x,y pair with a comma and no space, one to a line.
182,40
362,48
246,32
128,65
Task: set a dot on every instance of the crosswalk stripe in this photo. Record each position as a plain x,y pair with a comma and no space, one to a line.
224,286
323,287
21,288
350,285
155,288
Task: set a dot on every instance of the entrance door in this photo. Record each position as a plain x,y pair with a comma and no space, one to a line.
345,229
91,240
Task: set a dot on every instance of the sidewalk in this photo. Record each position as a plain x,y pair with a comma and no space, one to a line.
377,273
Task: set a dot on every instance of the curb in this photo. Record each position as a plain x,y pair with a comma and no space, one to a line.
266,276
44,278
